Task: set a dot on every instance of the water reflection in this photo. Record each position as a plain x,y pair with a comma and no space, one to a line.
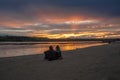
17,50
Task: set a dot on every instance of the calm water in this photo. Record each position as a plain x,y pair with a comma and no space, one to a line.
18,50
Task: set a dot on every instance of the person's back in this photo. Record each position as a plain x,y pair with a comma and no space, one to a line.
52,54
58,52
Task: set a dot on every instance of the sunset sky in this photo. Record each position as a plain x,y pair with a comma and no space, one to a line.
60,18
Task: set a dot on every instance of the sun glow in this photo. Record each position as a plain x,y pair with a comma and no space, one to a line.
75,35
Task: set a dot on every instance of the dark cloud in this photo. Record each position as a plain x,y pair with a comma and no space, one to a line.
89,7
103,7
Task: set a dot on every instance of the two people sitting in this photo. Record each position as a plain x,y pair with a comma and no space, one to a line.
51,54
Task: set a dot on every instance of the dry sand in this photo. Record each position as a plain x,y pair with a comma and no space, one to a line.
93,63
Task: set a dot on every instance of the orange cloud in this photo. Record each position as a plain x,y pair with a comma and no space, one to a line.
56,19
94,34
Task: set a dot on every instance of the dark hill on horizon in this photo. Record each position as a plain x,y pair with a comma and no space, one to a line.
36,39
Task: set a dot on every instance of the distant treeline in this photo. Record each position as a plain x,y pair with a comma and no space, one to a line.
36,39
20,39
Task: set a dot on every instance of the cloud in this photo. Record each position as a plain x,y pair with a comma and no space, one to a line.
105,8
53,17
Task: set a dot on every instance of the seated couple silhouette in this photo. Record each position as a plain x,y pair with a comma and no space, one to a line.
52,54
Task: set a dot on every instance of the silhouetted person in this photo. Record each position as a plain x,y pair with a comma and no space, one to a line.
50,54
58,52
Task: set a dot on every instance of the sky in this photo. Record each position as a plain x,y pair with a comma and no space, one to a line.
60,18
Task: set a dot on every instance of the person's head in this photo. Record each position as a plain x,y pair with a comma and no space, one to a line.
50,48
57,47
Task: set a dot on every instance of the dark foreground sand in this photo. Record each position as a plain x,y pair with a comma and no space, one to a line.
94,63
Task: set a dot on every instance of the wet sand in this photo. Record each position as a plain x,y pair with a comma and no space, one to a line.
93,63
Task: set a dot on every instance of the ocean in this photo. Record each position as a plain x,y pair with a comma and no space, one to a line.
11,49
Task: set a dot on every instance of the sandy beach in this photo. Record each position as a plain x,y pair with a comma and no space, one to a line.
92,63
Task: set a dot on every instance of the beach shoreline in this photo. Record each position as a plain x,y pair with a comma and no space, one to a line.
91,63
23,50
